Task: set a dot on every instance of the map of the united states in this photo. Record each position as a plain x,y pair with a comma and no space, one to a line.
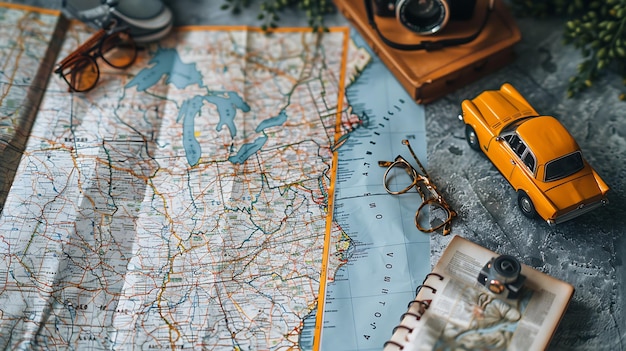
183,203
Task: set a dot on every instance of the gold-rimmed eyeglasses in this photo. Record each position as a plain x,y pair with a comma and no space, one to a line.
80,69
441,214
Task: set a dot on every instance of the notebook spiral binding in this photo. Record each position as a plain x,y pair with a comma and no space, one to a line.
423,306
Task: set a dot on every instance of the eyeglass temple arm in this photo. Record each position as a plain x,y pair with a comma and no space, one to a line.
84,47
422,168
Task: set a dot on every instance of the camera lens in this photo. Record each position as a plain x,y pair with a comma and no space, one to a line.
423,10
422,16
507,268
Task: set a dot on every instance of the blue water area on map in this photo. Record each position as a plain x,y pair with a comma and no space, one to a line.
188,111
227,104
248,150
167,62
272,121
364,301
307,335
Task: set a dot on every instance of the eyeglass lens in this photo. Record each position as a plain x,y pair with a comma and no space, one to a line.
432,216
399,177
82,73
118,50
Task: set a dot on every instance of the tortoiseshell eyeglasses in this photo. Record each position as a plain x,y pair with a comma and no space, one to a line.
80,69
441,214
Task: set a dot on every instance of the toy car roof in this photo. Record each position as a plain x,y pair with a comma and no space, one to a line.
547,137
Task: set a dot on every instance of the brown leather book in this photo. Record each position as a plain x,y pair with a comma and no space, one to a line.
430,74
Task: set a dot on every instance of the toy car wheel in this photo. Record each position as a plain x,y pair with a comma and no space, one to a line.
526,205
471,137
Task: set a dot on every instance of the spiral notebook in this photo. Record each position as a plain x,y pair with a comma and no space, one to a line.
453,311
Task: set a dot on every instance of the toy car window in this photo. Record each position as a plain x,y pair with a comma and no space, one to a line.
564,166
529,161
516,144
513,141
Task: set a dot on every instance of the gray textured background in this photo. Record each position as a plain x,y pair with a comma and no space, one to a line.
589,251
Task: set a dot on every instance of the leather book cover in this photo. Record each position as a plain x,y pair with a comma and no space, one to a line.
428,75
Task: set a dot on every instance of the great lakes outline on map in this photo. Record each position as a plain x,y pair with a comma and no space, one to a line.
136,221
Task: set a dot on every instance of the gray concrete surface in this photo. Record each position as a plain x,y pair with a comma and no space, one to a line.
589,251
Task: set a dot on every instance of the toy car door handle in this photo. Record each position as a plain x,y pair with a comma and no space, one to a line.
513,162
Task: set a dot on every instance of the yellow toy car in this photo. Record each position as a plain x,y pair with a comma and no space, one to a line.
535,153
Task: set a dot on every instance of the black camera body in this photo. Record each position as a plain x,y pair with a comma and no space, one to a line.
425,17
502,276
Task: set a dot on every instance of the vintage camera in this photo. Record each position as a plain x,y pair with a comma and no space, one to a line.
425,17
502,276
